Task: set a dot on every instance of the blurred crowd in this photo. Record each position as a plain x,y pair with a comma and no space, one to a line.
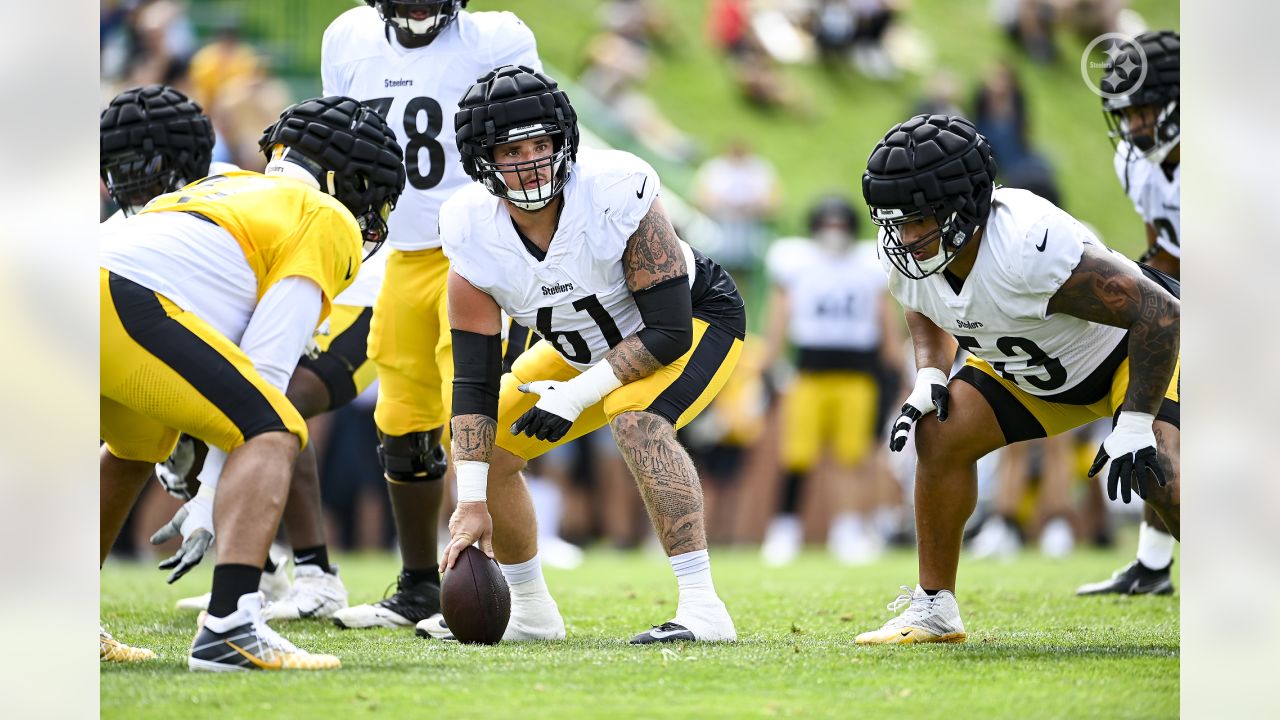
583,491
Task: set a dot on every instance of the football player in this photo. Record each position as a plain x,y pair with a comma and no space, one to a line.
1060,330
638,330
1144,123
208,299
829,300
411,61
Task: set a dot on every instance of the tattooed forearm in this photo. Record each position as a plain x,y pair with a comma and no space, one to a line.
653,252
667,478
473,437
1104,290
631,360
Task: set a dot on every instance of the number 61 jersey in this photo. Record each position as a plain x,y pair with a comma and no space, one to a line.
417,92
576,297
1028,248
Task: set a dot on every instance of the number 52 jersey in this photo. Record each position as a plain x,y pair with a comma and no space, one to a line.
417,92
1028,249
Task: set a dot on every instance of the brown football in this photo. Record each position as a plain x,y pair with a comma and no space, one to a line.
475,599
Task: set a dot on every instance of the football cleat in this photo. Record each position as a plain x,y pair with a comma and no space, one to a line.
705,622
409,605
782,541
927,618
315,594
1057,539
112,650
434,627
274,586
242,641
995,539
1132,579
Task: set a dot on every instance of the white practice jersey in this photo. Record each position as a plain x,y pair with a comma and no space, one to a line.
1156,197
417,91
835,300
577,297
1027,249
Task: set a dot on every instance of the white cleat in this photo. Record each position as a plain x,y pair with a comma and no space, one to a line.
559,553
782,541
854,543
1057,539
704,622
995,539
273,586
927,619
315,594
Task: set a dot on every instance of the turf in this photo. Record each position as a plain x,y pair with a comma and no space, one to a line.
1034,650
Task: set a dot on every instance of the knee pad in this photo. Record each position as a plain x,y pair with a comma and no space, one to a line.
416,457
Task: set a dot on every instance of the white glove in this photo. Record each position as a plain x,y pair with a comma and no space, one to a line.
1131,446
562,402
194,522
929,394
172,473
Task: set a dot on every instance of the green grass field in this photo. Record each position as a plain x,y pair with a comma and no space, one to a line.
1034,650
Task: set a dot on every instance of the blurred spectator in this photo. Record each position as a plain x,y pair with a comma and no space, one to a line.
869,55
641,21
1000,113
243,106
221,63
739,190
159,43
833,24
1029,24
729,23
357,510
941,92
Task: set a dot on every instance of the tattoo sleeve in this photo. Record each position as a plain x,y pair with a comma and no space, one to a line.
1105,290
667,478
631,360
473,437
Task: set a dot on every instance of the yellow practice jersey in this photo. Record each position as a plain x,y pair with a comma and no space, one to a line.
283,226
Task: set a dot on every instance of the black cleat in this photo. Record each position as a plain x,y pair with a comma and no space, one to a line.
409,605
666,632
1133,579
242,641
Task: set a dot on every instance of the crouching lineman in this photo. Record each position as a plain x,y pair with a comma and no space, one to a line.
1145,127
208,298
638,330
1061,331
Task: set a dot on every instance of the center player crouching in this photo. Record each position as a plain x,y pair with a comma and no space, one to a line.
638,330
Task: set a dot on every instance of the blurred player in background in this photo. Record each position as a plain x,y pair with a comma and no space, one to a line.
209,297
411,61
1061,331
639,331
1144,121
829,300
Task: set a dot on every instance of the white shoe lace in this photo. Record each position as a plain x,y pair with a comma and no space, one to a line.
917,608
273,639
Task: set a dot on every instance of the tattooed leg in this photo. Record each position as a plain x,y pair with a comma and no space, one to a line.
667,479
1167,500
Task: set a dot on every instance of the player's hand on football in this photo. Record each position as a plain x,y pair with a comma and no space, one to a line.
1131,447
558,406
194,523
928,395
469,523
172,473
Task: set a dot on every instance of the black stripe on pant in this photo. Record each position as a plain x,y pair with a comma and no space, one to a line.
211,374
1016,421
706,360
336,367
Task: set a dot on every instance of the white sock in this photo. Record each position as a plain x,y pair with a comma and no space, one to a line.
1155,548
693,576
525,578
548,505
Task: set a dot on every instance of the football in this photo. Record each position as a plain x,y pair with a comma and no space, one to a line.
474,598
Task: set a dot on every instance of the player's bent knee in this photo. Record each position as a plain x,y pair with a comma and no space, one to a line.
416,457
938,444
637,426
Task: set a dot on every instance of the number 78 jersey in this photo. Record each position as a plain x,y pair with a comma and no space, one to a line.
1028,249
417,92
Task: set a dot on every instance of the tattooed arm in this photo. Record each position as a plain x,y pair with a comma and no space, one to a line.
476,325
656,275
1107,290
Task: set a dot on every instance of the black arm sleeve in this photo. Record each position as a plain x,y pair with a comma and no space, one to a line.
667,311
477,373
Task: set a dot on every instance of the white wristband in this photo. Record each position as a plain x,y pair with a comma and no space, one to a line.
473,480
932,376
597,381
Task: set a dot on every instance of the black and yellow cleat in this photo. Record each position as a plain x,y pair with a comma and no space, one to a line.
112,650
242,641
1132,579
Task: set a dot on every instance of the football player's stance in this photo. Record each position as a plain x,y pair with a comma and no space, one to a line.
411,61
829,300
208,298
638,330
153,140
1060,330
1144,126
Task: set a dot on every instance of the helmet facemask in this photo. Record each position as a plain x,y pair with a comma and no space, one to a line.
133,179
1162,134
554,167
953,231
399,14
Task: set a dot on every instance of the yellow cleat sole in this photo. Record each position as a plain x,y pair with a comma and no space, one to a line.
910,636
